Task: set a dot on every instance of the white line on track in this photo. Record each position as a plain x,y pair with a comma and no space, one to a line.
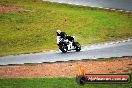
106,8
120,10
100,7
113,9
92,6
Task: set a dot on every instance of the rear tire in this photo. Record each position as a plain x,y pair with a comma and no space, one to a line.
63,48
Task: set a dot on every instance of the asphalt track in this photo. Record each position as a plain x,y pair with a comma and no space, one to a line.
88,52
113,4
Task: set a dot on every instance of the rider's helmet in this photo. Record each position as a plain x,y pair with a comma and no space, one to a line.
58,31
73,36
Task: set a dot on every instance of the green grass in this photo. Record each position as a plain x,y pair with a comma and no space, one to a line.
54,83
35,31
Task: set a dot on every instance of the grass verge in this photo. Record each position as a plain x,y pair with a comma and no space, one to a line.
54,83
35,31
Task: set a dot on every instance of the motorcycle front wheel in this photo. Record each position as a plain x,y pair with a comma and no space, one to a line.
77,47
63,48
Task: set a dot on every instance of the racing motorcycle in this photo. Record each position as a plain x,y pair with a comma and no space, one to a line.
66,45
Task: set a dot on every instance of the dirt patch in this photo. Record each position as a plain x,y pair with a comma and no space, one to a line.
9,9
67,69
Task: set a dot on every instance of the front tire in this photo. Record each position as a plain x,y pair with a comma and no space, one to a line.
63,48
77,47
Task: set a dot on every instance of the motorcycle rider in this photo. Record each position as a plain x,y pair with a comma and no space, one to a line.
64,36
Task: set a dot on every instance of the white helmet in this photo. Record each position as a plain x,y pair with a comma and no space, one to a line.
58,31
73,36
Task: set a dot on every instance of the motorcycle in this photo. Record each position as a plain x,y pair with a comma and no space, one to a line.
66,45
